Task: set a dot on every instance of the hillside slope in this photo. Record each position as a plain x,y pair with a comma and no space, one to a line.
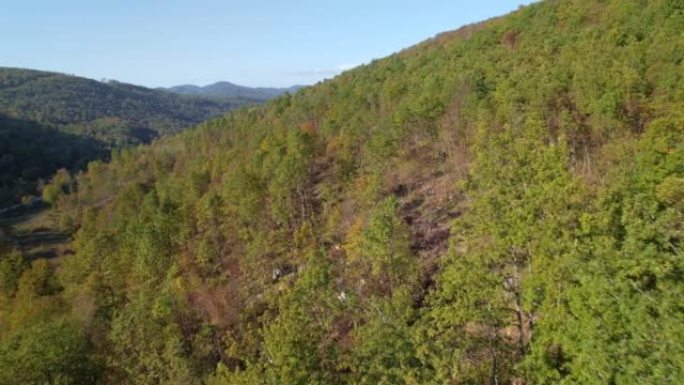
50,120
112,112
500,204
29,151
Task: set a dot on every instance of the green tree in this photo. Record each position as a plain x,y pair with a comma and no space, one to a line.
623,322
211,242
12,265
295,342
54,352
384,351
381,252
505,261
146,345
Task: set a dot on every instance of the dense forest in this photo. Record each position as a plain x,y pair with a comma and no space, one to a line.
30,151
110,111
50,121
500,204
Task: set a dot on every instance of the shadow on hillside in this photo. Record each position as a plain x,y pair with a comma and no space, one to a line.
29,151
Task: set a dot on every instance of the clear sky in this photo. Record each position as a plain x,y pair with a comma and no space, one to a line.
249,42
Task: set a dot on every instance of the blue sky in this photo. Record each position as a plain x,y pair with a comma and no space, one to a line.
251,42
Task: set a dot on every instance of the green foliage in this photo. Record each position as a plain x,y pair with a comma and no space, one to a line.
54,352
294,343
113,112
50,121
30,151
622,321
61,183
502,269
210,233
12,265
384,352
384,250
146,347
499,204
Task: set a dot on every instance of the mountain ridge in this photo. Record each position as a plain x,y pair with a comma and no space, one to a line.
65,101
225,89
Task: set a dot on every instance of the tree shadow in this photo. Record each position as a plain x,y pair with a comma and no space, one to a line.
30,151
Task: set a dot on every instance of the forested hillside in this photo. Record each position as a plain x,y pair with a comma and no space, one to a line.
501,204
50,120
29,151
113,112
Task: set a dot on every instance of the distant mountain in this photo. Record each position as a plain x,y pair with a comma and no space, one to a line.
51,120
230,90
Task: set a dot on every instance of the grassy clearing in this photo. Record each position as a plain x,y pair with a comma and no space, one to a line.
35,233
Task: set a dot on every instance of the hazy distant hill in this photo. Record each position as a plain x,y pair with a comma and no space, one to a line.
230,90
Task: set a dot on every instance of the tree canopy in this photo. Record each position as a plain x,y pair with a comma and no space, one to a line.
501,204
